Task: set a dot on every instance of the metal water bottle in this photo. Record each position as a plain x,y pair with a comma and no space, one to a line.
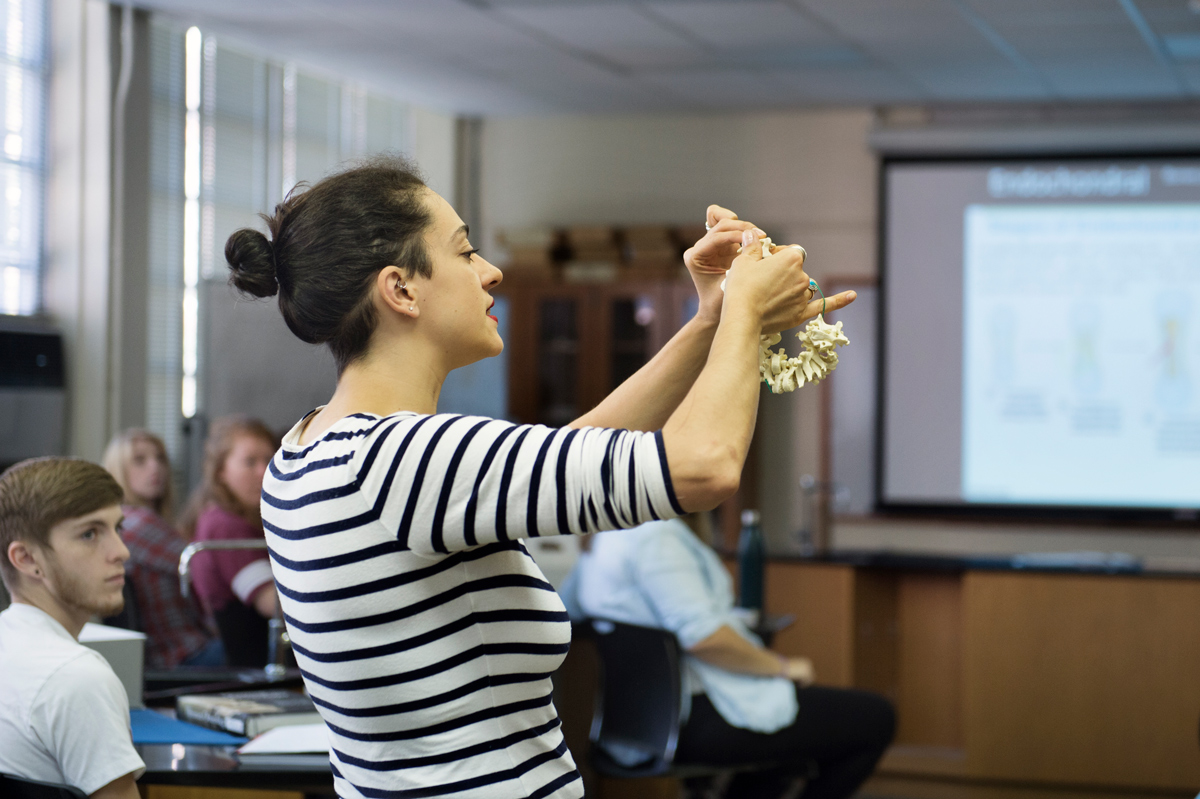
751,562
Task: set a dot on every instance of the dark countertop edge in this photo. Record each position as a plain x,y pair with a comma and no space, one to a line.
920,561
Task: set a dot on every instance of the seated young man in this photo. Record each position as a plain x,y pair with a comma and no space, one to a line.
64,716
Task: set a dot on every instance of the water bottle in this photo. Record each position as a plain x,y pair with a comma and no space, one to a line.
751,562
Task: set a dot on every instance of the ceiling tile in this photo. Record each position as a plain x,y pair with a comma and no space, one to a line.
854,86
749,25
1183,46
717,88
1049,13
1114,76
616,33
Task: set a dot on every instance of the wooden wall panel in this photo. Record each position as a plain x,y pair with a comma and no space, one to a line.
876,632
929,660
822,598
1093,680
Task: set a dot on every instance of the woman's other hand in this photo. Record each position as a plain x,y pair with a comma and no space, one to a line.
779,285
798,670
710,258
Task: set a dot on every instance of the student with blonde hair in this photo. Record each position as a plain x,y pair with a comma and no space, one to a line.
177,632
64,715
236,586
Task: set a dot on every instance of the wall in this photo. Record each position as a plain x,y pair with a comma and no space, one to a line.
806,177
801,176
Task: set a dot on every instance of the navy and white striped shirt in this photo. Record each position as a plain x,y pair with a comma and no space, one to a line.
426,633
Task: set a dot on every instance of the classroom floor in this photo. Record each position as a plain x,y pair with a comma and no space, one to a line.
888,787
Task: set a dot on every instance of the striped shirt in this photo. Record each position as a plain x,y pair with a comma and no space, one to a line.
425,632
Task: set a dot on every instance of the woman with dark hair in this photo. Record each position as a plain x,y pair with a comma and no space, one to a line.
426,634
235,585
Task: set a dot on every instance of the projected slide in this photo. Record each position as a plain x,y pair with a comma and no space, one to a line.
1081,354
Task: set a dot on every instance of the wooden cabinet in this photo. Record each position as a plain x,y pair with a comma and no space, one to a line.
1055,680
570,344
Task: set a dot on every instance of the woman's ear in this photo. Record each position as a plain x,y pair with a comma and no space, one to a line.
395,292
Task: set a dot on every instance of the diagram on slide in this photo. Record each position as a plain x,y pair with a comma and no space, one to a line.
1081,354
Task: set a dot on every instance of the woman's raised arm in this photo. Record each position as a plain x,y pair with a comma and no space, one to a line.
646,400
707,437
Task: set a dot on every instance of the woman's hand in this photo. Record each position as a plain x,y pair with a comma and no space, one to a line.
710,258
798,670
780,286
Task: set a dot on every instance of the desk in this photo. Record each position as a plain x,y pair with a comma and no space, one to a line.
1001,672
218,767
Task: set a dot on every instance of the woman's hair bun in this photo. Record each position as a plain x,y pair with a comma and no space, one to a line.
251,263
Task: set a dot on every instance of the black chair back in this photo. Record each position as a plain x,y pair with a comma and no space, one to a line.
244,634
20,788
635,726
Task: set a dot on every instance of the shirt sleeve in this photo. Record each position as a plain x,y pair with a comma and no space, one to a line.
82,718
447,483
219,573
671,579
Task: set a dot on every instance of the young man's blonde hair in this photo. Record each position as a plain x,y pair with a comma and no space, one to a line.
39,493
119,453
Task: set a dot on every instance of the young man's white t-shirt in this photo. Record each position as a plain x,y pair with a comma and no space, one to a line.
64,716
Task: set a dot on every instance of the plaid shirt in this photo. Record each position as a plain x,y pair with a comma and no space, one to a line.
175,627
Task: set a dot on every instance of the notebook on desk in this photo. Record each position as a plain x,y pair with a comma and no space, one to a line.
293,745
152,727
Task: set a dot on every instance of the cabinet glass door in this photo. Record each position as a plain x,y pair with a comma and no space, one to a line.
558,351
631,318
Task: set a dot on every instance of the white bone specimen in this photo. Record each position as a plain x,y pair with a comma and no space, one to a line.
784,374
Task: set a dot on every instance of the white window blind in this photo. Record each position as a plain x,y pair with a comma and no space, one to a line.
164,312
22,148
260,127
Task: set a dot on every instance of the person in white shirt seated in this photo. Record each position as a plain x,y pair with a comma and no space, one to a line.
743,703
64,715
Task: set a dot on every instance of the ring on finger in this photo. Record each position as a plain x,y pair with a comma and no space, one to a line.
707,226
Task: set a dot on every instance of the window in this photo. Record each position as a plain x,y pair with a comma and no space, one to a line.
231,134
22,105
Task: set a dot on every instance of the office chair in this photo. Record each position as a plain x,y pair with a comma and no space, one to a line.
635,723
20,788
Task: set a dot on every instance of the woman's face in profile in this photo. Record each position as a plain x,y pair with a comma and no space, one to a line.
244,467
454,302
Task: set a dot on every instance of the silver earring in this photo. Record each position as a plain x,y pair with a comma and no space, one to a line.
412,307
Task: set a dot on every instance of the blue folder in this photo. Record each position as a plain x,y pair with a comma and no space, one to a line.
150,727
